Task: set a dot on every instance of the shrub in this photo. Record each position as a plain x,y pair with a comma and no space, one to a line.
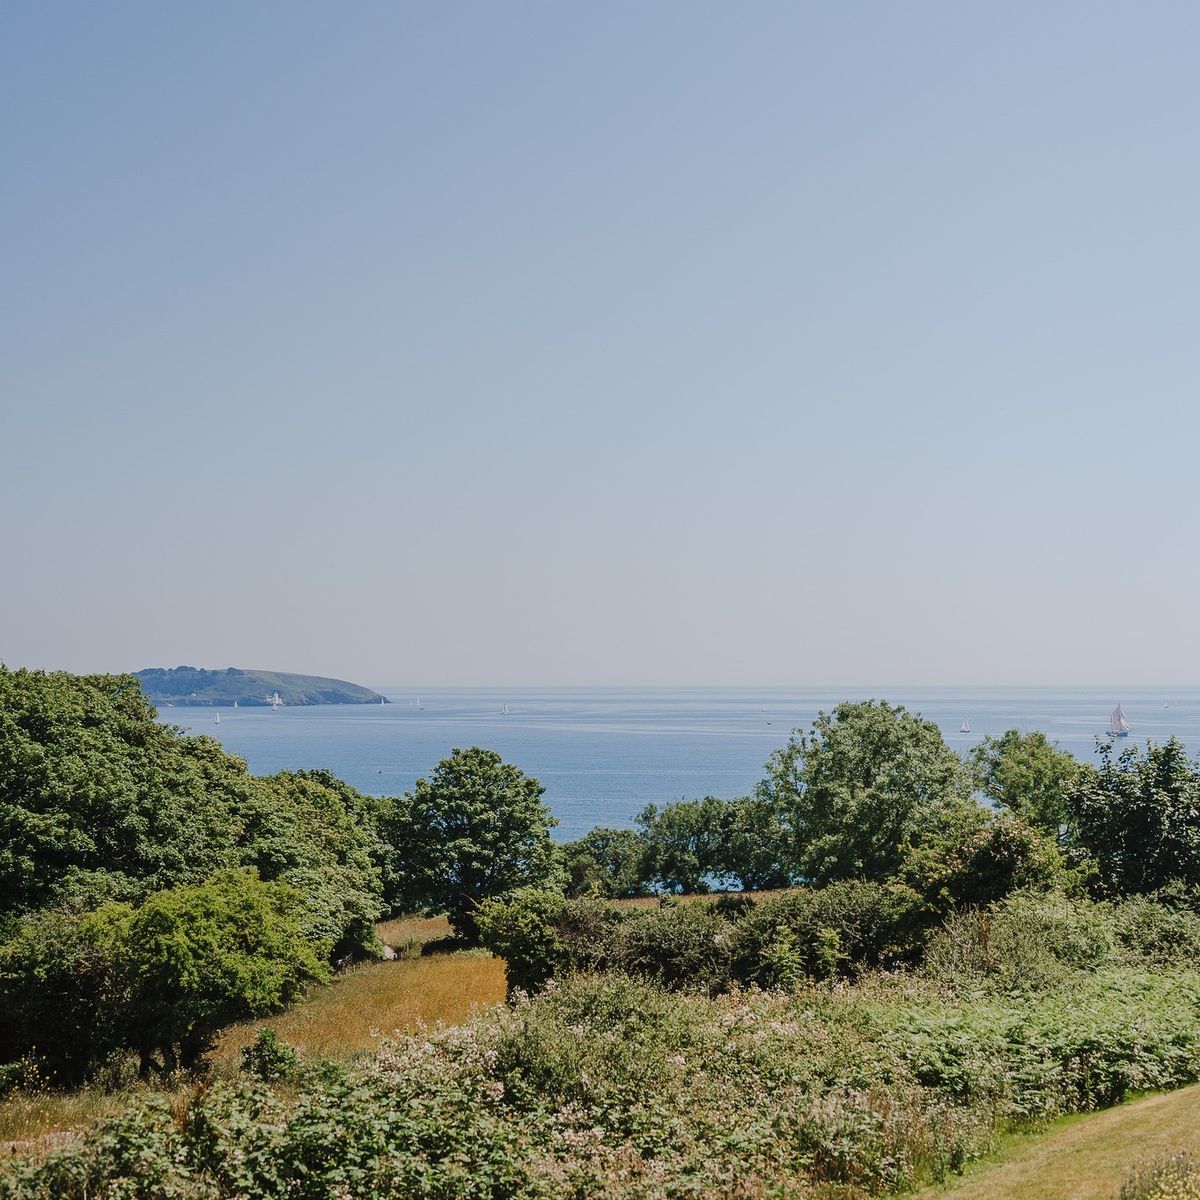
607,1086
685,946
268,1059
1029,941
820,933
202,957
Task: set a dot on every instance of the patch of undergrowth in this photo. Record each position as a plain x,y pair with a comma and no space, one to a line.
605,1086
1174,1177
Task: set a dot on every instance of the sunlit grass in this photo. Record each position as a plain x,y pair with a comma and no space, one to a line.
37,1120
348,1017
1083,1157
404,930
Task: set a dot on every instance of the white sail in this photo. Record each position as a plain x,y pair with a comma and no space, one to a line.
1119,726
965,727
218,718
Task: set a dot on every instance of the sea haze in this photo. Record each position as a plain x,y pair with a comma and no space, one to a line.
604,753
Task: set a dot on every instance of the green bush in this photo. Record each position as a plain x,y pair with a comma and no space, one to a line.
1029,941
683,946
268,1059
820,933
159,980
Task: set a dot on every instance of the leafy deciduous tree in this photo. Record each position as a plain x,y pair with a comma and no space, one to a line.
866,784
477,829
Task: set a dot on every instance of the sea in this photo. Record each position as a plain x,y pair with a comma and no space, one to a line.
603,754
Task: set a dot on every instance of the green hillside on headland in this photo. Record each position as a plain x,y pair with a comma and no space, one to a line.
195,685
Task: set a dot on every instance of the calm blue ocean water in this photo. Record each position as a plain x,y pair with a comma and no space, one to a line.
604,753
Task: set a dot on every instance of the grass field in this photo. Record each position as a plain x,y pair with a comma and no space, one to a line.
349,1016
1084,1158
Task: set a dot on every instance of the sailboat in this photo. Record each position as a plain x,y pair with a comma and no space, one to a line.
965,727
235,704
218,718
1119,726
276,702
382,700
504,711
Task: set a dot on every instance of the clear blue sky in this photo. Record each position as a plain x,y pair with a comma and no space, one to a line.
608,343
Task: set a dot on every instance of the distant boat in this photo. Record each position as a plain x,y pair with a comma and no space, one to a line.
235,704
276,702
965,727
218,718
382,700
1119,726
504,711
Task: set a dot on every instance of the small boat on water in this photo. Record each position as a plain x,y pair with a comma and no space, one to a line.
965,727
276,702
218,718
1119,726
504,711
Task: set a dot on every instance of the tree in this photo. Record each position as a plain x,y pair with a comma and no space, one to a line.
685,843
976,867
1027,775
476,830
101,802
607,862
757,844
1138,817
868,782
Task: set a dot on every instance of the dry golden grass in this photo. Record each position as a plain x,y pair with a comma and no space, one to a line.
404,930
29,1116
348,1017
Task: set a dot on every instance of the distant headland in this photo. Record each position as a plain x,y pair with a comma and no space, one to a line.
224,688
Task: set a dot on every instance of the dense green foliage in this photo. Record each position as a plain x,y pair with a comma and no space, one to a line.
1025,774
98,801
866,784
195,685
476,829
607,862
158,980
605,1086
1138,817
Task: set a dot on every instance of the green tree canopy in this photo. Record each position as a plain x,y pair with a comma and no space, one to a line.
1027,775
607,862
1138,817
476,830
99,801
686,843
868,782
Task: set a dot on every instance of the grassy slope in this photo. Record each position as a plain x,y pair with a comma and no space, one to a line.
1084,1158
343,1020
